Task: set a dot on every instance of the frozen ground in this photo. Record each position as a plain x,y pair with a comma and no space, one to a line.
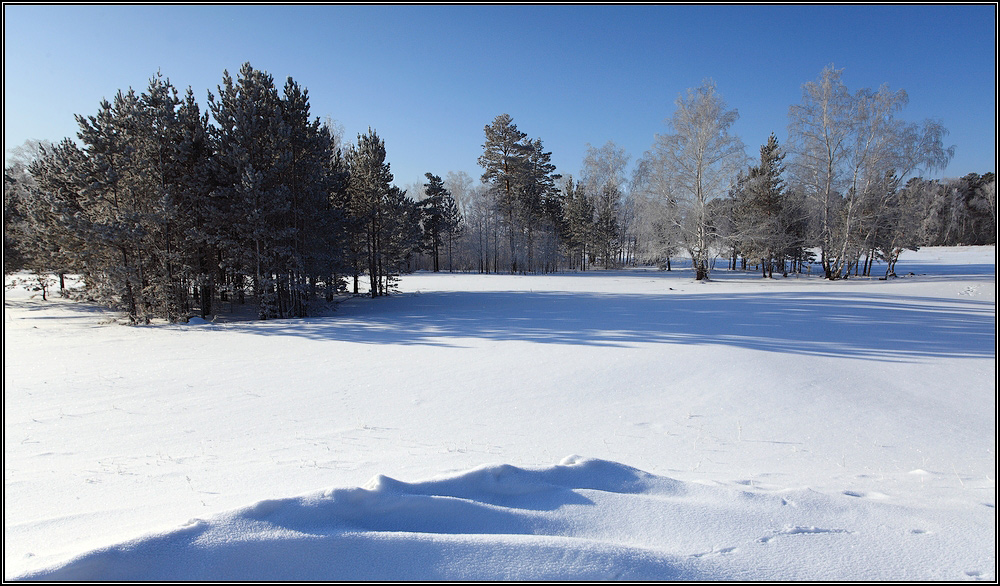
632,425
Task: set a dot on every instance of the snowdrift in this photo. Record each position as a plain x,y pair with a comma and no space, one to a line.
583,519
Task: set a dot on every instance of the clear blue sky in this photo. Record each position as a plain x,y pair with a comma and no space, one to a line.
429,78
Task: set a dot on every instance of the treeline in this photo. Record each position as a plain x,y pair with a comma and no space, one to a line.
166,211
844,194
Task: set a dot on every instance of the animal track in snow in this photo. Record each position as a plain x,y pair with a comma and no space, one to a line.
798,530
722,551
870,495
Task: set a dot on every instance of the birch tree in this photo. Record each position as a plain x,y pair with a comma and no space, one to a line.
851,155
697,162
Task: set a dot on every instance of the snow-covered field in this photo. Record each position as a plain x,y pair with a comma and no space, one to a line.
630,425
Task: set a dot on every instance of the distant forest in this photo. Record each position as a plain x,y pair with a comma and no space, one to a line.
166,211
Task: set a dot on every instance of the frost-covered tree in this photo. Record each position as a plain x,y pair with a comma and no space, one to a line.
819,136
52,234
123,209
658,225
130,218
483,235
851,153
603,175
607,234
18,236
697,163
453,226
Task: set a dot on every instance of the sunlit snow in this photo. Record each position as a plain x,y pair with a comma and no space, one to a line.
633,425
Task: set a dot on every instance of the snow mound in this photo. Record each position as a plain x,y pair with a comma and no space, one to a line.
583,519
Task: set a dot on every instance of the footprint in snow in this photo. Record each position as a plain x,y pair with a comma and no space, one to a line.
800,531
870,495
714,552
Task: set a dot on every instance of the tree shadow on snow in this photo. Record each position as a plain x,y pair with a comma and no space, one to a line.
869,326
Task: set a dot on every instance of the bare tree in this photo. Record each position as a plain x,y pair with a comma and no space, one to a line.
851,155
819,130
697,162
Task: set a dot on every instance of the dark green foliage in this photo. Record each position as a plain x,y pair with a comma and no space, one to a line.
387,221
163,214
760,232
520,174
579,234
607,233
438,217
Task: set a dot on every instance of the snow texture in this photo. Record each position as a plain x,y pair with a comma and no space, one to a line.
740,429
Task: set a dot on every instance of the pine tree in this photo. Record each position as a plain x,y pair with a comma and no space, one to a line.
399,238
307,153
579,222
536,195
453,225
433,221
253,202
504,156
195,184
759,207
371,205
55,229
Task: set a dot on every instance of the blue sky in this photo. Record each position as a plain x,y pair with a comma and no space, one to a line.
429,78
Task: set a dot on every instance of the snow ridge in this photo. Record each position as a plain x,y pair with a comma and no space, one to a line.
393,530
583,519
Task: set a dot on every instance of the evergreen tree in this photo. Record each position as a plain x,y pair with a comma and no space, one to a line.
453,225
55,230
606,227
253,202
400,237
388,220
504,156
195,184
579,223
433,220
538,196
158,205
331,253
758,211
307,152
114,202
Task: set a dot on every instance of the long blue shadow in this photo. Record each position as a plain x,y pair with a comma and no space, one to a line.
870,326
